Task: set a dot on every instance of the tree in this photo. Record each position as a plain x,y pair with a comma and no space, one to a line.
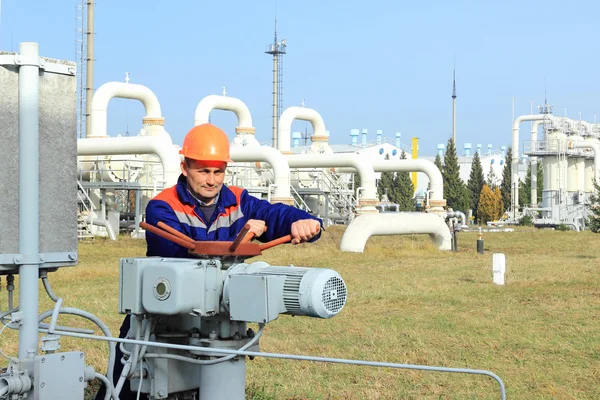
386,183
455,190
594,206
475,183
505,186
404,190
357,182
500,208
489,205
525,187
492,179
540,181
438,162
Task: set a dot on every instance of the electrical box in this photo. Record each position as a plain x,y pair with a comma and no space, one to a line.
255,298
57,157
59,376
170,286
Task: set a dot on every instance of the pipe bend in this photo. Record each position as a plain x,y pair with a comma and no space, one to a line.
110,90
214,102
301,113
278,162
404,223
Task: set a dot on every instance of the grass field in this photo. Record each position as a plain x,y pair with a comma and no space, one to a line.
407,303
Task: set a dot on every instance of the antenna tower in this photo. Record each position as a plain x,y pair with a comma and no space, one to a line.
277,50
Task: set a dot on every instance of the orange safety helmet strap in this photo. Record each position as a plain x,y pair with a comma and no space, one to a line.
206,142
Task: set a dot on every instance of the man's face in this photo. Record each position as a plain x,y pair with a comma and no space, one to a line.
204,179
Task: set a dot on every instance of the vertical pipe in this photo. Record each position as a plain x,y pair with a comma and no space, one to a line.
29,223
275,100
89,64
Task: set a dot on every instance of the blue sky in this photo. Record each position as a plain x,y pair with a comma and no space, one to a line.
376,65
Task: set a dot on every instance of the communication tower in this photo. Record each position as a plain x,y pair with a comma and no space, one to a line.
277,50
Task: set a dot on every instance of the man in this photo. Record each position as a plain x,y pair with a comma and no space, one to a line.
203,208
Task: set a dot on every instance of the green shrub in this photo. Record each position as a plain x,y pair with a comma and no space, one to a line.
563,227
526,221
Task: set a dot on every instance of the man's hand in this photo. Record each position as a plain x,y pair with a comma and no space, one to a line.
304,230
257,227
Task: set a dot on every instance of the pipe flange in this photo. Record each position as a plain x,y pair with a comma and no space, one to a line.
246,130
368,202
437,203
159,121
319,138
287,152
285,200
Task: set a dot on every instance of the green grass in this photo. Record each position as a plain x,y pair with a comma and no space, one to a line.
407,303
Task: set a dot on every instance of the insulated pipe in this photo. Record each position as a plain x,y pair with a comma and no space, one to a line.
159,145
596,149
404,223
214,102
110,90
436,181
515,151
103,223
459,214
279,164
534,161
285,125
368,197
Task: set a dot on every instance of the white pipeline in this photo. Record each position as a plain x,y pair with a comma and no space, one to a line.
436,182
278,162
215,102
159,145
354,160
404,223
285,125
515,151
596,149
110,90
103,223
534,161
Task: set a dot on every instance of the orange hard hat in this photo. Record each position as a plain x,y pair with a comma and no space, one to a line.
206,142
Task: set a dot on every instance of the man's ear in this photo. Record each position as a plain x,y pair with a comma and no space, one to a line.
184,169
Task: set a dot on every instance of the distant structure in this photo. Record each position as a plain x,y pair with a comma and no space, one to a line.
84,53
454,107
277,50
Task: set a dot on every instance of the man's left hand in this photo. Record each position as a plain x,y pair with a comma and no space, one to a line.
304,230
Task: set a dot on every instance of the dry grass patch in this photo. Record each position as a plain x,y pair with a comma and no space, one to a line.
407,303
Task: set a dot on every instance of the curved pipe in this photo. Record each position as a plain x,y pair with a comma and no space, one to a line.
278,162
417,165
110,90
214,102
458,214
101,222
515,151
159,145
285,125
596,149
404,223
354,160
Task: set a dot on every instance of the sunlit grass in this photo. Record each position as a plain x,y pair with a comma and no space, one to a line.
407,303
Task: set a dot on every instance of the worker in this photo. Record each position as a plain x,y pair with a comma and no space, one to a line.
203,208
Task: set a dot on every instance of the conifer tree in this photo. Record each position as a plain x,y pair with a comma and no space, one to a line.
386,184
475,183
438,162
491,180
593,221
403,189
540,181
455,191
505,186
525,188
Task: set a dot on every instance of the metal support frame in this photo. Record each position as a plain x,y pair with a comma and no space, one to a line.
213,351
31,60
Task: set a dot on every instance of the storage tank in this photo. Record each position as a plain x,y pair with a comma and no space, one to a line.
555,172
573,165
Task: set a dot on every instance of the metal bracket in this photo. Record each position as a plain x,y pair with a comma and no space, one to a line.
40,62
42,259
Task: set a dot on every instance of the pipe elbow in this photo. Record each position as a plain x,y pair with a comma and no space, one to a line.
214,102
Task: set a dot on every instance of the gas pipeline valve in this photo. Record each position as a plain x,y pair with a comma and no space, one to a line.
255,292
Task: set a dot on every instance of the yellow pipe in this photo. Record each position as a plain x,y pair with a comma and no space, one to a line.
415,154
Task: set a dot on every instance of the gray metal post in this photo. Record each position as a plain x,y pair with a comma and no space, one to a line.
138,210
223,381
29,222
